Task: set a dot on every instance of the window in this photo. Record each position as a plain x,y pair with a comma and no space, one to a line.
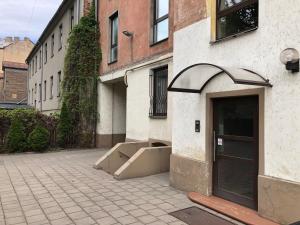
36,63
40,92
159,92
45,90
46,52
51,87
161,20
60,37
236,16
32,96
35,88
52,45
40,60
114,37
58,83
32,67
72,18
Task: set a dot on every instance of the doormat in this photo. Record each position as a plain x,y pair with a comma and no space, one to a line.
196,216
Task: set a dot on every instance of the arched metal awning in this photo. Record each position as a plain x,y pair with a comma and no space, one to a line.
194,79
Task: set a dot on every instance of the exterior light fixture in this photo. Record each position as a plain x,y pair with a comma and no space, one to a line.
127,33
290,58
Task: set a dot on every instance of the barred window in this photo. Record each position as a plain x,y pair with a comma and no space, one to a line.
159,92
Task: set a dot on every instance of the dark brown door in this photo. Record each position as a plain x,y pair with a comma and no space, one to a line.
235,167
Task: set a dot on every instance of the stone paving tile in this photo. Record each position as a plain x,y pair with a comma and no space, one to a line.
62,188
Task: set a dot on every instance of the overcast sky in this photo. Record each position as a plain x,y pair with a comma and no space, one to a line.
26,18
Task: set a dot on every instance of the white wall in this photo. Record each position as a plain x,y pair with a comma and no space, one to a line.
111,108
279,28
139,125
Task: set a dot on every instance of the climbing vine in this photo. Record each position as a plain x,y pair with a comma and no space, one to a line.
79,87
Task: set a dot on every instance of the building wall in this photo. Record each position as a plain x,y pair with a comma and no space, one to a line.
53,66
17,51
135,105
133,53
15,85
258,51
132,20
139,125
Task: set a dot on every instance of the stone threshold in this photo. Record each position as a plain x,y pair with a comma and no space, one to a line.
230,209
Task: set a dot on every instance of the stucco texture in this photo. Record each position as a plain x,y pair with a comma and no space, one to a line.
258,51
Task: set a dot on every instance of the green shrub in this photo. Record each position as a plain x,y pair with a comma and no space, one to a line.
64,128
38,139
16,138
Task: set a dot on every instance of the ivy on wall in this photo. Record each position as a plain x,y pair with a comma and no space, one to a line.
79,87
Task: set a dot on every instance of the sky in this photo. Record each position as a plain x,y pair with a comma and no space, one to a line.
26,18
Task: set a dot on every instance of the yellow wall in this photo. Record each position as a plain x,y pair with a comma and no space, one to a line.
16,52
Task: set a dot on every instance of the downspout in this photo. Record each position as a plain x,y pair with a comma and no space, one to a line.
42,76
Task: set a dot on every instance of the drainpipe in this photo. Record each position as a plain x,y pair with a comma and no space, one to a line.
42,76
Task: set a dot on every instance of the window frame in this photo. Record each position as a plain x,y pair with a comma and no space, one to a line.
225,12
72,18
111,45
46,52
153,112
40,92
52,45
156,22
58,83
45,90
36,63
40,59
51,88
60,37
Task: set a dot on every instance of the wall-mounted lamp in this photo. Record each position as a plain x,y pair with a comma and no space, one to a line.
127,33
290,58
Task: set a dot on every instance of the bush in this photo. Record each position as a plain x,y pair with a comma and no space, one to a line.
38,139
16,138
64,129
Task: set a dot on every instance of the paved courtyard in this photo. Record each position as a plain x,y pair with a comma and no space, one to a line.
62,188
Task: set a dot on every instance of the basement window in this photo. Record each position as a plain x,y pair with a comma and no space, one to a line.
235,17
159,92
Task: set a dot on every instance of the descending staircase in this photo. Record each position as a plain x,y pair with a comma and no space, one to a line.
135,159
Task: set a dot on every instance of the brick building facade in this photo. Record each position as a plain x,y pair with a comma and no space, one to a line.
14,82
136,43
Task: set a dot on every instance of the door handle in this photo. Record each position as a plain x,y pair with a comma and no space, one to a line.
214,146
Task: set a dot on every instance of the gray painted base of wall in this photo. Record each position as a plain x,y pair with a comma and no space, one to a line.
109,140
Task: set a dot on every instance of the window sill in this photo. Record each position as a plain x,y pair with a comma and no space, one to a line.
159,42
112,62
158,117
233,36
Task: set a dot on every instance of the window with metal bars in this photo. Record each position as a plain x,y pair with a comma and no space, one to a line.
236,16
159,92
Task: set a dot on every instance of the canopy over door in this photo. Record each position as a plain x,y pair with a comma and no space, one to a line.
194,78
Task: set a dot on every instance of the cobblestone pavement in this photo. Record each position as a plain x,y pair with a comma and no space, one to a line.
62,188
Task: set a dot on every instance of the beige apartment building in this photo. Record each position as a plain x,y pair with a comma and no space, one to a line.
13,51
46,60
